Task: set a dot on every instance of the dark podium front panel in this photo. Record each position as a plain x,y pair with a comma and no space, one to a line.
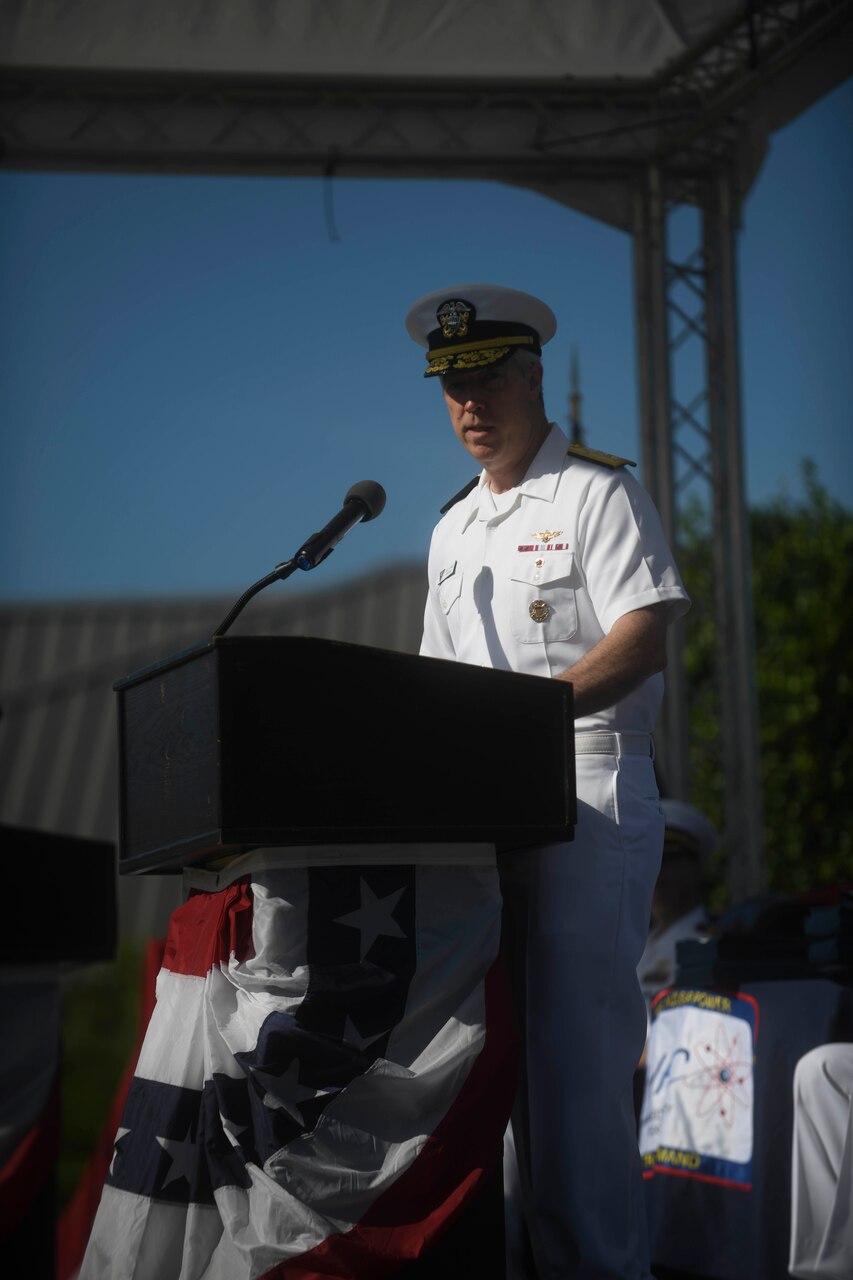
250,741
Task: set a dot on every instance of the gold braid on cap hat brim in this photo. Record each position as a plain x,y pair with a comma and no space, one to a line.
441,358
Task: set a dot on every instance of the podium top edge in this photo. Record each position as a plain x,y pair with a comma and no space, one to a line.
182,656
163,664
177,659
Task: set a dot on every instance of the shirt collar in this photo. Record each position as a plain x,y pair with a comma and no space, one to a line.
543,474
541,480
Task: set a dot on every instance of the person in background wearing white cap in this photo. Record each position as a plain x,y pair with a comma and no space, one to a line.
678,910
552,562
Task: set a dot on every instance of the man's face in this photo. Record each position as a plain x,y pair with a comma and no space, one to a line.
496,413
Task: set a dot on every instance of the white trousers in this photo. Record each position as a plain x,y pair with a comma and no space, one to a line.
576,919
822,1165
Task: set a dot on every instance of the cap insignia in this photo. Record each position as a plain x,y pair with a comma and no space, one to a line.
453,316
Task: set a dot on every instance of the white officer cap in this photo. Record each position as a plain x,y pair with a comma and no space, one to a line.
691,829
472,326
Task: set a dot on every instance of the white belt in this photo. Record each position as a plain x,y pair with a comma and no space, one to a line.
614,744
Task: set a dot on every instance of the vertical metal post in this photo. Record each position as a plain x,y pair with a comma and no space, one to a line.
655,418
732,560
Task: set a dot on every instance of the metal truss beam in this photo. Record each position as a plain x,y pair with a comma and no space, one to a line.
733,564
691,428
440,130
656,423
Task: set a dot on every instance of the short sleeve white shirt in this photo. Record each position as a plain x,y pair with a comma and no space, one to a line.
530,580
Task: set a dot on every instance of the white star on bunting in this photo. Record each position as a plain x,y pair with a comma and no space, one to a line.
374,918
284,1092
182,1155
235,1131
354,1037
122,1133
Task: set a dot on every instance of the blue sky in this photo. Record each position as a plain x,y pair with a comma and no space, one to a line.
193,371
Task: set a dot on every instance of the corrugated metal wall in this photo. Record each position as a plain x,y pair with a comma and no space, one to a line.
58,745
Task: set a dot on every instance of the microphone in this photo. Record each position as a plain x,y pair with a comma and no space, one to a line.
363,502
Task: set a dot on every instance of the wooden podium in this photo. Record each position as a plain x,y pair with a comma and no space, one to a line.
252,742
246,742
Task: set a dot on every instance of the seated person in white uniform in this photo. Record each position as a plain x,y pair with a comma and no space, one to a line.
822,1165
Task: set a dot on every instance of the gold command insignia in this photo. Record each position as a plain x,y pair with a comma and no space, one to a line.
453,316
539,611
547,535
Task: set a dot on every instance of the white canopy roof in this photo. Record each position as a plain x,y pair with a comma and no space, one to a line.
568,97
471,39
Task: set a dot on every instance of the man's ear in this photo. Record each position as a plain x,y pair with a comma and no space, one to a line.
534,380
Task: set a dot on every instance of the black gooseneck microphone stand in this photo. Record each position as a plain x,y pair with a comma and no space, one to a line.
364,501
279,573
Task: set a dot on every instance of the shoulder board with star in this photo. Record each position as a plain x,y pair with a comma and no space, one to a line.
457,497
595,455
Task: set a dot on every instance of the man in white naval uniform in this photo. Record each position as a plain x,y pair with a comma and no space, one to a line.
554,564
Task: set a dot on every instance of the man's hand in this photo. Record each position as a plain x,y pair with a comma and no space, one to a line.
634,649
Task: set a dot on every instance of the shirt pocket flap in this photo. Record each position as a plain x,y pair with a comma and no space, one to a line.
449,586
556,566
